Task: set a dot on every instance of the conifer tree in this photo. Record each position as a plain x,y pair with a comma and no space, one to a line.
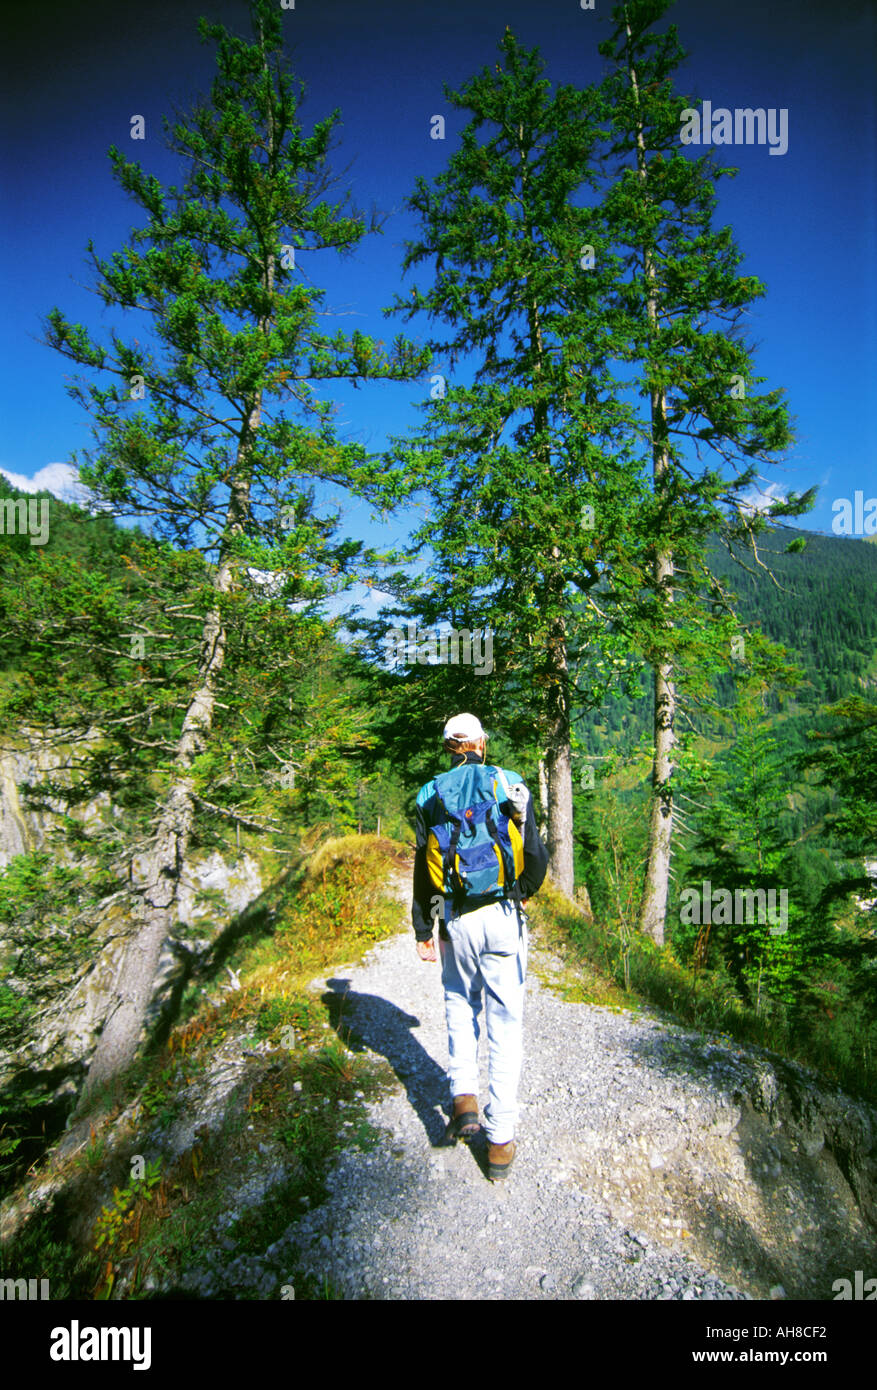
743,848
194,433
707,429
845,756
529,496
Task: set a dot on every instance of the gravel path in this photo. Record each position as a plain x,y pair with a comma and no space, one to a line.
653,1163
415,1219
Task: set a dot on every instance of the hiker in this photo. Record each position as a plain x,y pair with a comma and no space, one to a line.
478,859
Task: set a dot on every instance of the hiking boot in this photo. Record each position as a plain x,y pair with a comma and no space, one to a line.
464,1121
499,1159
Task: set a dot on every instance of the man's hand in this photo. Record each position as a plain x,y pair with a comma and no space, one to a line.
426,949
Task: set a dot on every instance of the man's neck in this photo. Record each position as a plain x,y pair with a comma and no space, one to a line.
458,759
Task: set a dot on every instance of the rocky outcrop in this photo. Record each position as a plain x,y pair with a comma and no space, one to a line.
67,1000
29,812
64,1034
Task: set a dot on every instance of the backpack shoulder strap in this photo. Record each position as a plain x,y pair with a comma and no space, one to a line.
503,781
516,887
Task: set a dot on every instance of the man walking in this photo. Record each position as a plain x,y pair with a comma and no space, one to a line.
478,858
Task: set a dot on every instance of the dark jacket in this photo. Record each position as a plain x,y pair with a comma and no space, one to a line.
427,813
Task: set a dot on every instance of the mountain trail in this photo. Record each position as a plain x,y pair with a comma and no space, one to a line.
652,1163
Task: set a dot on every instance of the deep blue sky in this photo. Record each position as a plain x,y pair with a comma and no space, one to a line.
807,221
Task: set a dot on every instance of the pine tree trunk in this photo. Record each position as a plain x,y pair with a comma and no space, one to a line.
560,841
543,798
558,759
157,875
653,908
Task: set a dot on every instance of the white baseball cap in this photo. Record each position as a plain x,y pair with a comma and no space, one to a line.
463,726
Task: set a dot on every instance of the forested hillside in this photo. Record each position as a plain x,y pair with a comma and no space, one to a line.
821,604
776,785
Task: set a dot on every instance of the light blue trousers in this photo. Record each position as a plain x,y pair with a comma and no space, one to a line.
486,954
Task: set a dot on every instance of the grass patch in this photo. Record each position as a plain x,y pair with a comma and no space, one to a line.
592,954
580,979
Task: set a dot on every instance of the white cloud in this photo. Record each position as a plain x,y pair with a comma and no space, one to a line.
759,499
60,479
377,599
364,596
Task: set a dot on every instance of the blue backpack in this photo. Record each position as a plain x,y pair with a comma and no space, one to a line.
476,851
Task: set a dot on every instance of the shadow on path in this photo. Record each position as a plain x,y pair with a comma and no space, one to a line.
368,1021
